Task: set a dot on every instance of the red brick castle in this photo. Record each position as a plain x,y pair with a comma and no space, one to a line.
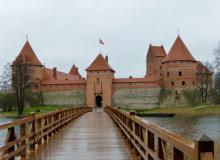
175,71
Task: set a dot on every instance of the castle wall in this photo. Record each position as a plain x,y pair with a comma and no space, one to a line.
63,87
136,93
74,97
136,97
64,94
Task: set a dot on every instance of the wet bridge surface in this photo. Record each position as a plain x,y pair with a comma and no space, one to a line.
93,136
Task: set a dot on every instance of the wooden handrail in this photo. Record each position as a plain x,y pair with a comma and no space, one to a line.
151,141
35,130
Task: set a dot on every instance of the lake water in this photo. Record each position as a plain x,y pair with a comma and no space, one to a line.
193,127
3,133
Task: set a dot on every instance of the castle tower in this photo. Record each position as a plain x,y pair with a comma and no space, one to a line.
179,67
28,56
155,55
74,71
99,82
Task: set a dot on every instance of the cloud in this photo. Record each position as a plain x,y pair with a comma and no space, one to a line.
65,31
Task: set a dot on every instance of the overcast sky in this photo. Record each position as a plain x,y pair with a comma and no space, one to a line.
67,31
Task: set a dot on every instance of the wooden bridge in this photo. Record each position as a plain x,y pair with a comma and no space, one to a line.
79,133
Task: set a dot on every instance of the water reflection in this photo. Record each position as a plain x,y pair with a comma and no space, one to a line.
193,127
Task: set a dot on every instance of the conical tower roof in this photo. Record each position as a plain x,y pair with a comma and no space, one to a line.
179,51
74,70
100,64
28,56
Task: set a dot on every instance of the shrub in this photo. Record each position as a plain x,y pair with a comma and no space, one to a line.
7,101
191,96
164,94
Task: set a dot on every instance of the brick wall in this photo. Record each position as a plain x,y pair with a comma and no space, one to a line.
138,98
77,97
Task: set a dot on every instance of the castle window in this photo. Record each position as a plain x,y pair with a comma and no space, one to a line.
160,67
183,83
149,74
172,83
98,81
168,74
180,73
193,83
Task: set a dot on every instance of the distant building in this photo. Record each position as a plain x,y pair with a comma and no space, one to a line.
175,71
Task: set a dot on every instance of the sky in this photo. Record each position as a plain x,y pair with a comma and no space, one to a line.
63,32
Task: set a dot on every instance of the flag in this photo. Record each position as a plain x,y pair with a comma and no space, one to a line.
101,42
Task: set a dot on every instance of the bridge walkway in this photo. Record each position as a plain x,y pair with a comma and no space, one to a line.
93,136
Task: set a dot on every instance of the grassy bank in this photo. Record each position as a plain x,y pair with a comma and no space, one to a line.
203,110
29,110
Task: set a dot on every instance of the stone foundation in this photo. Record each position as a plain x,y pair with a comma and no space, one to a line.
137,98
76,97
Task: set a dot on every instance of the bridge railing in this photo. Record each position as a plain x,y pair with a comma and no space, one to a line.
152,142
27,133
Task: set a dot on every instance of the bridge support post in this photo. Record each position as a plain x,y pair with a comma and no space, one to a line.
32,129
10,138
39,128
23,143
204,148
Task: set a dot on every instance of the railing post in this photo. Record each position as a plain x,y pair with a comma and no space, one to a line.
45,129
33,130
132,126
10,138
23,142
161,149
204,148
177,154
40,131
50,134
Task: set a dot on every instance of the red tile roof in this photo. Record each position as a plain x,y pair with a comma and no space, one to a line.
28,56
74,71
100,64
179,51
48,75
158,51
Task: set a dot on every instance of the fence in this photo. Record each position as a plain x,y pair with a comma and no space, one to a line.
151,141
27,133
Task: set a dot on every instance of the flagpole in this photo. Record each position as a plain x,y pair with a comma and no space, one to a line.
100,48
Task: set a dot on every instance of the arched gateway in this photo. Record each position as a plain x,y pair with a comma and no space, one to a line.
98,101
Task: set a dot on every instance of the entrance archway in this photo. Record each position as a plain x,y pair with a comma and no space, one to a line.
98,101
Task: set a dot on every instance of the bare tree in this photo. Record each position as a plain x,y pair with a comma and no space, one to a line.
5,78
217,57
204,80
21,81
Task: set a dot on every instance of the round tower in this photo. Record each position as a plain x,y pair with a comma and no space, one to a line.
179,67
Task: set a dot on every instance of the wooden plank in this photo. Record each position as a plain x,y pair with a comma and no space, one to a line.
92,136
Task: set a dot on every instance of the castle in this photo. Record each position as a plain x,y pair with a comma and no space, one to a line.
175,71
